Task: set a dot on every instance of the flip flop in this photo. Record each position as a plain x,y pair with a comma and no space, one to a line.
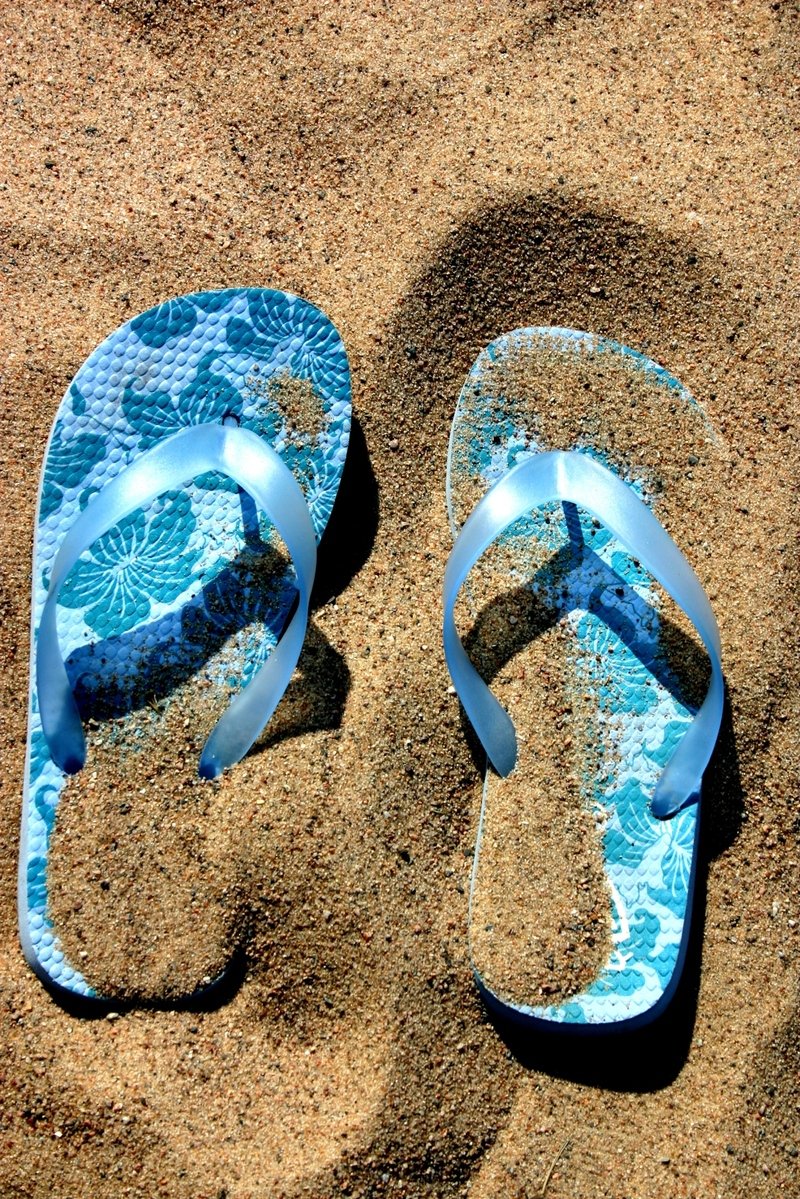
548,471
191,440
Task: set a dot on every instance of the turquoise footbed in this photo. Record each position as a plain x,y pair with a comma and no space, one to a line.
181,574
611,609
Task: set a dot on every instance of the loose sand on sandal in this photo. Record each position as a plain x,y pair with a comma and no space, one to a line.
431,180
540,905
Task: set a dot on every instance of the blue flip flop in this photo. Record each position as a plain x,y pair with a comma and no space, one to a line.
579,531
193,438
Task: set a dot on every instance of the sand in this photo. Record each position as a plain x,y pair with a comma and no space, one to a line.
430,180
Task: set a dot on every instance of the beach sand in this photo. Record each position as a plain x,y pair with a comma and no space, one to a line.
431,180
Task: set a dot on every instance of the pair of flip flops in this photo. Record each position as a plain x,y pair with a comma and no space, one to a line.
210,433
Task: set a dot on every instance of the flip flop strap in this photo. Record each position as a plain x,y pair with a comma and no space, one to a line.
570,477
254,466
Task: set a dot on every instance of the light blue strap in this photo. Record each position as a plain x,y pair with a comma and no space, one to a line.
574,478
254,466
